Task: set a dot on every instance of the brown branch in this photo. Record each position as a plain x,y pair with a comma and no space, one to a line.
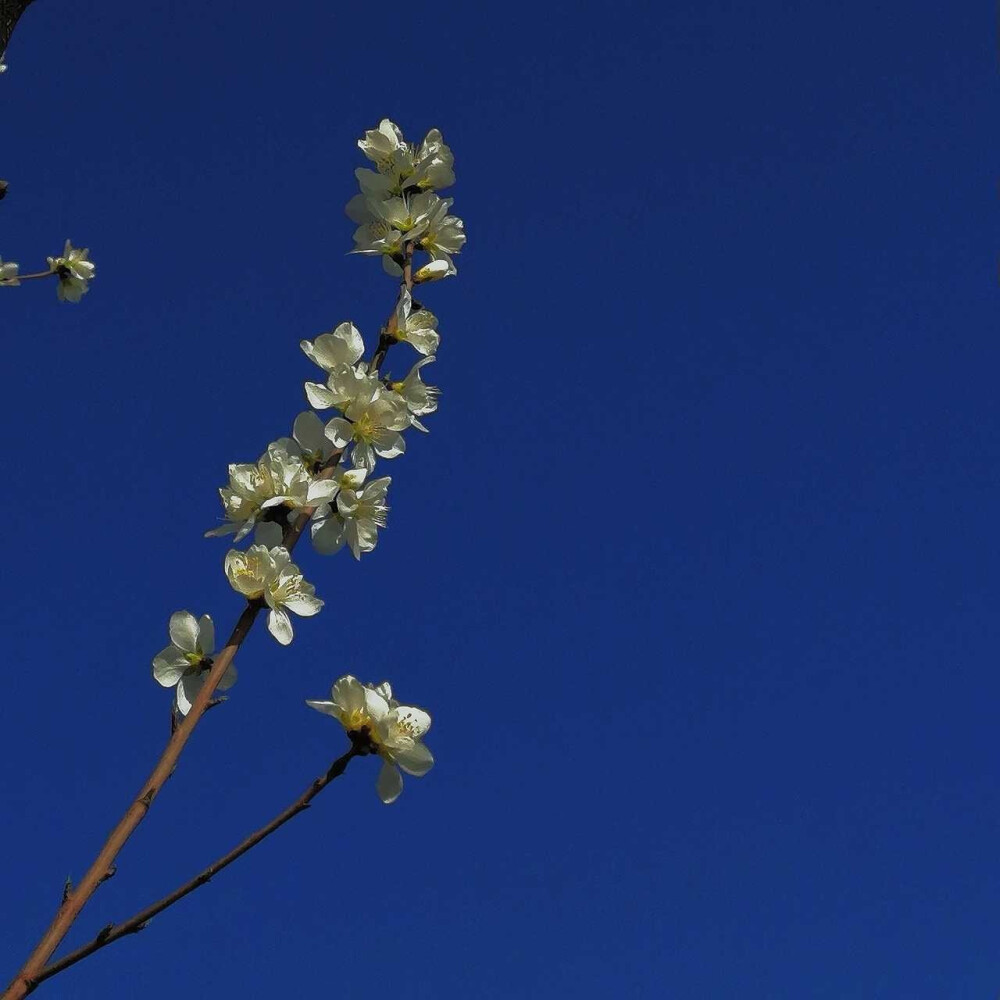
74,901
112,932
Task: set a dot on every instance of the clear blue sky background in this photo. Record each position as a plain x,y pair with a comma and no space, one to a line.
697,570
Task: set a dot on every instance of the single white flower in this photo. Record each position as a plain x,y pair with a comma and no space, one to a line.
394,731
420,398
343,345
434,166
278,479
389,222
8,273
442,235
355,515
416,326
187,661
74,271
387,149
371,422
270,574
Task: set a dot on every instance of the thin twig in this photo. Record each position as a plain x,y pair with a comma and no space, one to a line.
29,976
112,932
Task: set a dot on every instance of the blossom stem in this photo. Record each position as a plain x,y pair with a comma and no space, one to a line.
75,900
388,337
137,922
26,277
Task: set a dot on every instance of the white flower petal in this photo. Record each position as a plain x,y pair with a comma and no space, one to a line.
363,456
389,783
184,631
348,695
187,690
319,396
206,635
375,705
280,625
222,529
168,666
327,535
303,604
340,432
389,444
415,759
322,491
414,720
326,707
308,431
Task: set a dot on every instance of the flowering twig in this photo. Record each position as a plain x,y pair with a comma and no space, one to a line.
112,932
74,901
298,480
72,268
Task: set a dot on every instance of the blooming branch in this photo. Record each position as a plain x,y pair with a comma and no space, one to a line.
317,474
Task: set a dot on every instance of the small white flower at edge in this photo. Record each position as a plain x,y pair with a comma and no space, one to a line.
394,731
187,661
74,272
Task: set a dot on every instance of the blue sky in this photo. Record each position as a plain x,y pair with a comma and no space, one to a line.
696,571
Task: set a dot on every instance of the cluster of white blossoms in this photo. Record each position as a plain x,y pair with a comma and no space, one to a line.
371,715
323,472
399,206
72,269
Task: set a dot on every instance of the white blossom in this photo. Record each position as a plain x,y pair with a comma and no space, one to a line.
74,272
371,422
442,235
8,273
186,662
343,345
279,478
387,149
394,731
271,574
420,398
354,517
416,326
385,224
434,167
